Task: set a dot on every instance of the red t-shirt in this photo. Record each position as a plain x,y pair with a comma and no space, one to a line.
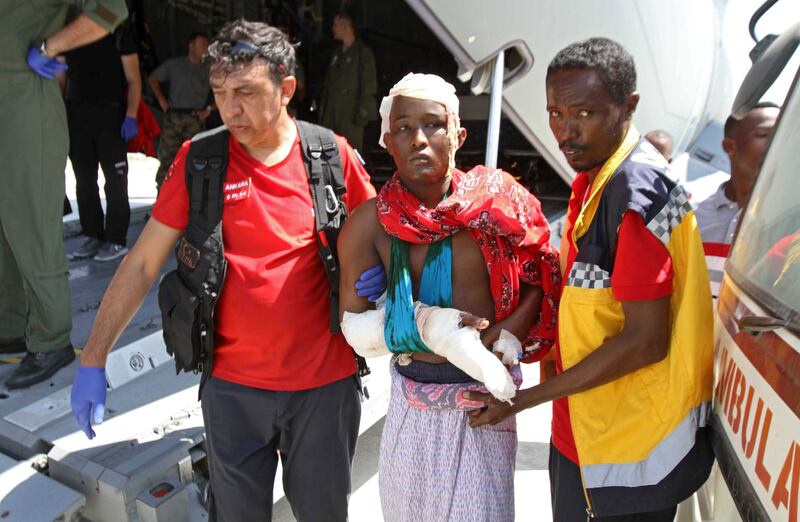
273,316
642,271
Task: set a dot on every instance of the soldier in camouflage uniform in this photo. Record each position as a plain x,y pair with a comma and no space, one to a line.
186,108
348,99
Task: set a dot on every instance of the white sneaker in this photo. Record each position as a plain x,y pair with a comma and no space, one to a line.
110,251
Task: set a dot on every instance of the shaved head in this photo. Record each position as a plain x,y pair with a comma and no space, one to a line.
662,141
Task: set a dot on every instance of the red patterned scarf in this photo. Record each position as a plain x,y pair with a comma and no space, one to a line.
506,222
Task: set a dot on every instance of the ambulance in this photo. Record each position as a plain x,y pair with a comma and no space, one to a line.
756,413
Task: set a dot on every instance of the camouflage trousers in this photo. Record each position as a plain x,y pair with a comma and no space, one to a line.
177,128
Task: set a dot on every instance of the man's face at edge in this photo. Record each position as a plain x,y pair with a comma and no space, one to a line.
662,143
748,144
250,102
418,140
587,123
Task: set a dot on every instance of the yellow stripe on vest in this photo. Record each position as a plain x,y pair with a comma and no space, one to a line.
588,211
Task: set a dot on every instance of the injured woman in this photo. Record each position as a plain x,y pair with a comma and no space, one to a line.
472,284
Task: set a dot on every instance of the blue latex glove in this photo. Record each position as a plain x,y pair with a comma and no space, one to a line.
89,397
44,66
130,129
372,283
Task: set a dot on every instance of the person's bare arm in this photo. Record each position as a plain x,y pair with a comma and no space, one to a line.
81,31
521,319
130,65
128,289
357,252
644,340
155,86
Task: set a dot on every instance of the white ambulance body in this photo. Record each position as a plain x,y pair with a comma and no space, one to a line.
756,416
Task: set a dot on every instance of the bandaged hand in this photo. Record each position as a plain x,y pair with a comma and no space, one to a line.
364,332
444,332
508,347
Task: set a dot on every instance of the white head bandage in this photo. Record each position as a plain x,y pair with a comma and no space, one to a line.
425,87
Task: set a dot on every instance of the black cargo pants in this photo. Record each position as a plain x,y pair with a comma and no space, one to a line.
568,501
315,432
94,138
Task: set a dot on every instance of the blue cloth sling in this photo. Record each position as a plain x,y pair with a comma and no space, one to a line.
436,288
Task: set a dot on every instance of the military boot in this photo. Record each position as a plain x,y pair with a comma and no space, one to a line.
38,366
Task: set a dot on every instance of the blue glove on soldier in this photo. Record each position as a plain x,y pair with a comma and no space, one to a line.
43,65
372,283
89,397
130,129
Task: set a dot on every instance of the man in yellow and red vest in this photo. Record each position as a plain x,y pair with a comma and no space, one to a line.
634,358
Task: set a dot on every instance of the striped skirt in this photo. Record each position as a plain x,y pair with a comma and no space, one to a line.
434,467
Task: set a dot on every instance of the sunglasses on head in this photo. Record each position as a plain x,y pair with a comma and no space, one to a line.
244,52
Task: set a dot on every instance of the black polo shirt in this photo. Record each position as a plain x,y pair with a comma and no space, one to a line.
95,71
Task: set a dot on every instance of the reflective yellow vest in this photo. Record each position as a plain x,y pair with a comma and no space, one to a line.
634,432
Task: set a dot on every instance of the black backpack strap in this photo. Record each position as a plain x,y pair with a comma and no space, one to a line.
326,181
324,169
206,164
201,246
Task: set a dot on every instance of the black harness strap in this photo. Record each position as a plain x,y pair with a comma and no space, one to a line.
206,164
326,182
325,173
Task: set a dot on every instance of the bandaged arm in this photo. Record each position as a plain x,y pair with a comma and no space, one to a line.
365,332
441,330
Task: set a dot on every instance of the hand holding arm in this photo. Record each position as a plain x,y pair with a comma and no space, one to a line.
644,340
371,283
359,257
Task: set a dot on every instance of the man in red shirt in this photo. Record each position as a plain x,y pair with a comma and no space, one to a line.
281,381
